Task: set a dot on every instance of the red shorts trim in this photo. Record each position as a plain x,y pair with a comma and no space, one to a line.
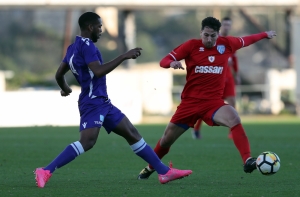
191,109
229,89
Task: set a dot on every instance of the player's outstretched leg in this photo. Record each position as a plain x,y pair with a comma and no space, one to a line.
162,147
143,150
196,134
227,116
231,101
87,140
240,140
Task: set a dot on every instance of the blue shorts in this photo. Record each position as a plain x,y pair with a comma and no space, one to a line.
99,112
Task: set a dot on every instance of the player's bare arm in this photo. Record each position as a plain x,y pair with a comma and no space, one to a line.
176,65
61,81
101,70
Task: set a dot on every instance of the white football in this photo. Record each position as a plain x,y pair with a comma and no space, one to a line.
268,163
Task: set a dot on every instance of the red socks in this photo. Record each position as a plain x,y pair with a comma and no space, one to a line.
239,138
160,151
241,141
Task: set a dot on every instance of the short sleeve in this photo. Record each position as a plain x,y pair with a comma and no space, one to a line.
90,53
182,51
235,43
65,60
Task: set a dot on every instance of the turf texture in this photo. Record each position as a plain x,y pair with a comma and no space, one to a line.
111,168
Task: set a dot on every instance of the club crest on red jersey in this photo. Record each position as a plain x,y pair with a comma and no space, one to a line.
211,58
221,49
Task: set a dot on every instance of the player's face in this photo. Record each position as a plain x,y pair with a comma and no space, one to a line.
209,37
96,30
226,27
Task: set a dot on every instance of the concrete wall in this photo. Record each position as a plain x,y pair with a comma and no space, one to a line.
276,81
133,91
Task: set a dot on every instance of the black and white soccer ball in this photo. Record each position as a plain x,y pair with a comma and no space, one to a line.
268,163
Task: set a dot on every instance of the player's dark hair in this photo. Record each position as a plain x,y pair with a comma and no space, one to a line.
87,18
212,23
226,19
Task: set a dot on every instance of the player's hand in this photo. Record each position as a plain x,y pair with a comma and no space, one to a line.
65,93
271,34
133,53
176,65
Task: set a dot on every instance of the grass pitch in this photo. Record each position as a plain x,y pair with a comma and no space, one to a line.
111,168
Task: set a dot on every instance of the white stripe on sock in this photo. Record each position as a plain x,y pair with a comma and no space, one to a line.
137,147
73,146
141,148
77,147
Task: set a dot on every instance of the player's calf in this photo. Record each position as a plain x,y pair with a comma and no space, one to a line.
87,145
172,133
126,130
88,138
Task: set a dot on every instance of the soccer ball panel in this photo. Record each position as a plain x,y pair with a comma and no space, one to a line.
276,167
265,168
270,158
277,157
259,160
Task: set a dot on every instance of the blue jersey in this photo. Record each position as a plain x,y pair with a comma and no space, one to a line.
79,55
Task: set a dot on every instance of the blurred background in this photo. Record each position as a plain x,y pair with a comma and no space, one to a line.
35,35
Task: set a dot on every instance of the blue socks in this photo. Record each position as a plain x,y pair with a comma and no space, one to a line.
65,157
142,149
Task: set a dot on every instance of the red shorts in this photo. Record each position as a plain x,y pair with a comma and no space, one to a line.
229,89
191,109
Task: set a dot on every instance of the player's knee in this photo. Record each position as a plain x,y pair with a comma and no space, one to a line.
132,135
234,120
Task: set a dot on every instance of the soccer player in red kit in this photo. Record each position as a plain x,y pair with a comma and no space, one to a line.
206,62
232,77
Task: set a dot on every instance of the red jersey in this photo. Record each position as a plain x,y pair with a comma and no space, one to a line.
206,67
206,74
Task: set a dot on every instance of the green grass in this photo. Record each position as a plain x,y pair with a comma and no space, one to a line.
110,168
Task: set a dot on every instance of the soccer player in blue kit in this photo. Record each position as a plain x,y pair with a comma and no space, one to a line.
85,61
